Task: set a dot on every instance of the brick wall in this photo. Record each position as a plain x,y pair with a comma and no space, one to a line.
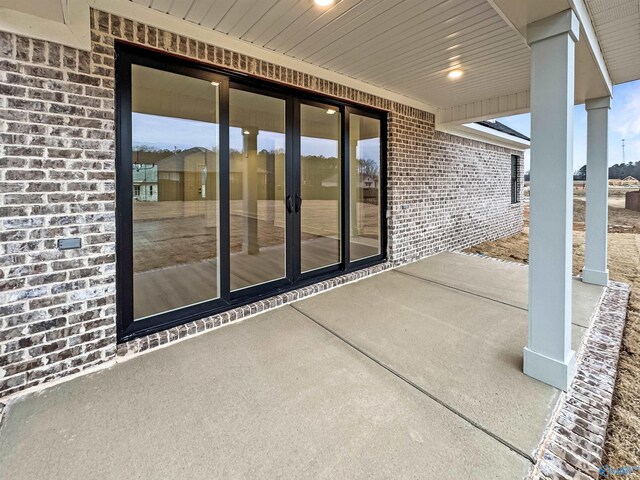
445,192
57,179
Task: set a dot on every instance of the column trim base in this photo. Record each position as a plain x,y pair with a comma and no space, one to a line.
595,277
548,370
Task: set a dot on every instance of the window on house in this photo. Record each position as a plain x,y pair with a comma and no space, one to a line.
136,190
515,174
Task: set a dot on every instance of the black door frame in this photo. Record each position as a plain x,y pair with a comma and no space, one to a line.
382,175
127,55
250,292
297,176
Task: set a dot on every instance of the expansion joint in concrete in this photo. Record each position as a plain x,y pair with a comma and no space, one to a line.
418,387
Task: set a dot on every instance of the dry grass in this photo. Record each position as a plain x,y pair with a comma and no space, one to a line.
623,436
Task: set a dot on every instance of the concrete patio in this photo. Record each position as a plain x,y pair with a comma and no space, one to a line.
412,373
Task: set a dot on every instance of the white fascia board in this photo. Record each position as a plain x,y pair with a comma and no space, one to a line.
487,109
508,21
590,36
149,16
74,32
486,135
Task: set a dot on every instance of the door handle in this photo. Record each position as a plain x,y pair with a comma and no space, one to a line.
298,202
289,203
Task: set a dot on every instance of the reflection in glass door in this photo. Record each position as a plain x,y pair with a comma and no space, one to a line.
230,189
175,147
319,199
257,188
364,179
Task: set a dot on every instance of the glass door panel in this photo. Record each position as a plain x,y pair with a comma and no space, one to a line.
319,200
175,147
257,188
364,179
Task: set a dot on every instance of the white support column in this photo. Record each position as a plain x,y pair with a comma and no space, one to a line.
548,356
595,257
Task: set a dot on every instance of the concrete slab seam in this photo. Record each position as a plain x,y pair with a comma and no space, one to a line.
141,345
456,412
460,290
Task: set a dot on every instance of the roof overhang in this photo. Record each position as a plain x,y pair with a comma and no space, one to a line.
592,76
484,134
399,50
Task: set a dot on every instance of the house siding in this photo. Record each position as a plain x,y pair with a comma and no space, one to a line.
57,179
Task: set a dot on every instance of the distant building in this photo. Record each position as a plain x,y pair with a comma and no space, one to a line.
145,182
366,181
625,182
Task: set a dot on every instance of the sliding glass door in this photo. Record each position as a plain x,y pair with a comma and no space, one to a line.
365,150
230,190
175,149
257,188
320,186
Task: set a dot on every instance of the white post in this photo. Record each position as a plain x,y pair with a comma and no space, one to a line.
548,356
595,257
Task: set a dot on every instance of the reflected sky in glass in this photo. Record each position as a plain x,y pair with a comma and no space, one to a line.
170,133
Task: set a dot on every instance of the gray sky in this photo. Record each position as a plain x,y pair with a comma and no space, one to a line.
179,133
624,122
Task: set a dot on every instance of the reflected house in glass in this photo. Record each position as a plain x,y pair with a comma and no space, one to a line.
145,182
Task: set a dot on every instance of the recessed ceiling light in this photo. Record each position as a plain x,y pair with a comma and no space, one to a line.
330,111
453,74
246,132
324,3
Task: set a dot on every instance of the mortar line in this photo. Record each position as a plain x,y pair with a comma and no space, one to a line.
456,412
470,293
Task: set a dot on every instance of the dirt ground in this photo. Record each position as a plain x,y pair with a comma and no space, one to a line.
168,233
622,446
620,219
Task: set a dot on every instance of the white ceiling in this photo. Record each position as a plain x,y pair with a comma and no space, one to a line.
617,23
399,48
406,46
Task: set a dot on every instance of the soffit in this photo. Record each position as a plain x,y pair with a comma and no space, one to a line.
405,46
617,23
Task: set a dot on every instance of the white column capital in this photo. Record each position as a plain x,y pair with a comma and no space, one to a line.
563,22
595,103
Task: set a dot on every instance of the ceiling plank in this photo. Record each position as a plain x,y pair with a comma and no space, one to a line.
239,20
216,13
198,10
341,26
383,30
179,8
420,41
161,5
